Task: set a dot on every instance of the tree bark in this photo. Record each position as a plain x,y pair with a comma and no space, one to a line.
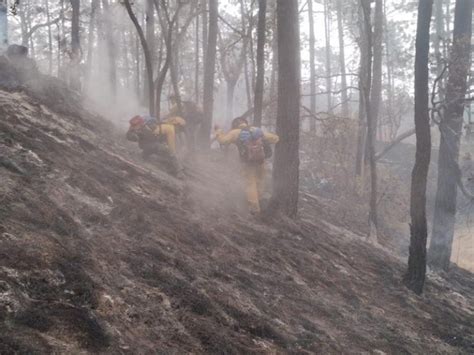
286,164
209,72
414,278
261,36
451,131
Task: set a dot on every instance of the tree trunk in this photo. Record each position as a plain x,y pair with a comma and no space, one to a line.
376,90
371,127
363,74
150,39
439,37
273,78
388,62
205,28
230,99
248,89
209,72
50,38
451,132
90,38
286,164
327,30
342,61
196,62
312,67
75,80
415,276
146,52
137,65
111,51
261,36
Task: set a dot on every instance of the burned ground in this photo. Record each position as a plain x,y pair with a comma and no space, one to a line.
102,253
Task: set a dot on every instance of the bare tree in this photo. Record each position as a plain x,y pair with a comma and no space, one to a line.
111,48
167,27
366,88
286,164
450,126
312,65
151,41
75,80
364,48
209,72
342,60
327,33
147,54
415,276
376,90
259,85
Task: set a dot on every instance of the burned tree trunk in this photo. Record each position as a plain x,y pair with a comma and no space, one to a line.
451,130
366,88
261,36
146,52
415,276
150,40
209,72
376,90
286,165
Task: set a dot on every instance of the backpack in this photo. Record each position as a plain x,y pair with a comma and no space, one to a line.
251,145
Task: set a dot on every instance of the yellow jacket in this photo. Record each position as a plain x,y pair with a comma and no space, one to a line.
233,136
168,129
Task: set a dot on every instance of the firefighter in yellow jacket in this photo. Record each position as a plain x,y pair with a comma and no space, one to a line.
254,147
157,138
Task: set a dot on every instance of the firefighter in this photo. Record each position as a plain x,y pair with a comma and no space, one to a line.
254,148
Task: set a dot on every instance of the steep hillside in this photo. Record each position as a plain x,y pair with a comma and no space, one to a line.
100,252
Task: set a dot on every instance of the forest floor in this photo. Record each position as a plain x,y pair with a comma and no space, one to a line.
101,252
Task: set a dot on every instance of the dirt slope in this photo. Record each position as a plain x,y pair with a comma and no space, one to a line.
100,252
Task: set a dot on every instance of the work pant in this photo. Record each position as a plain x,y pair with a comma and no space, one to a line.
165,158
254,176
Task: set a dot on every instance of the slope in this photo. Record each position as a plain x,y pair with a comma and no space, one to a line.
100,252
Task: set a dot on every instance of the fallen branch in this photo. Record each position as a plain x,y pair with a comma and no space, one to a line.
397,140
